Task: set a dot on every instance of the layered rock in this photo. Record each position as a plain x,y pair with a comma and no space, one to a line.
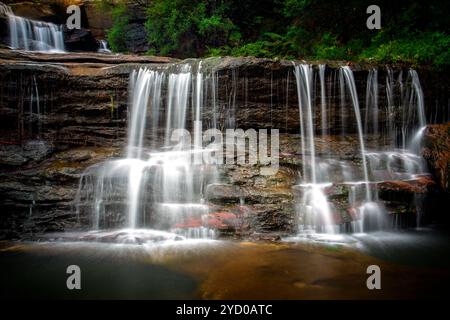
81,120
53,11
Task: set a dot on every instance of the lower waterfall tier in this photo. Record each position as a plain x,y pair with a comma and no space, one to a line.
59,118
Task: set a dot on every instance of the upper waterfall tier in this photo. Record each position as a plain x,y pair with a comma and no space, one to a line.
31,35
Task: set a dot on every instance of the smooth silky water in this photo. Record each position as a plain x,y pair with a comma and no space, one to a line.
148,236
394,158
413,265
32,35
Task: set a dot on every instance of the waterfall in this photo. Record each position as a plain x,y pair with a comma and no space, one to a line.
103,47
369,211
417,103
390,104
314,204
384,160
413,120
145,84
31,35
349,79
35,112
323,99
4,9
371,117
160,183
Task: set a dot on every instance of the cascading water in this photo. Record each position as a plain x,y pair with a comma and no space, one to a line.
35,112
313,204
416,105
103,46
371,117
160,184
31,35
323,100
392,154
369,209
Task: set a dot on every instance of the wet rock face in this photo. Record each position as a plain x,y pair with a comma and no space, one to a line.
436,152
95,20
264,203
81,120
32,151
37,196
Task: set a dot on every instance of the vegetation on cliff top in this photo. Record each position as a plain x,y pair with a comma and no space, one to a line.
414,32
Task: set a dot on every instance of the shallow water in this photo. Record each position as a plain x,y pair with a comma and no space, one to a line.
426,247
412,265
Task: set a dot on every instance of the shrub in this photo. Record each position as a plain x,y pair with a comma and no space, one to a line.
117,34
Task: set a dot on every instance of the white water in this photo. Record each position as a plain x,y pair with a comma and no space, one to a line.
386,162
31,35
104,47
313,204
159,184
323,100
371,117
350,81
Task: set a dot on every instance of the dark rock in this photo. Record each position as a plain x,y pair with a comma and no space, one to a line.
79,40
34,151
44,10
223,193
11,156
77,155
4,33
136,40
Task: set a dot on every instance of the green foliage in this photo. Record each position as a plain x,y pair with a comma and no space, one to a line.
103,5
271,45
329,48
413,32
430,48
295,8
117,34
185,28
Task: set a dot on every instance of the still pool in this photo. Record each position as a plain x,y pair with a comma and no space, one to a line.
413,265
